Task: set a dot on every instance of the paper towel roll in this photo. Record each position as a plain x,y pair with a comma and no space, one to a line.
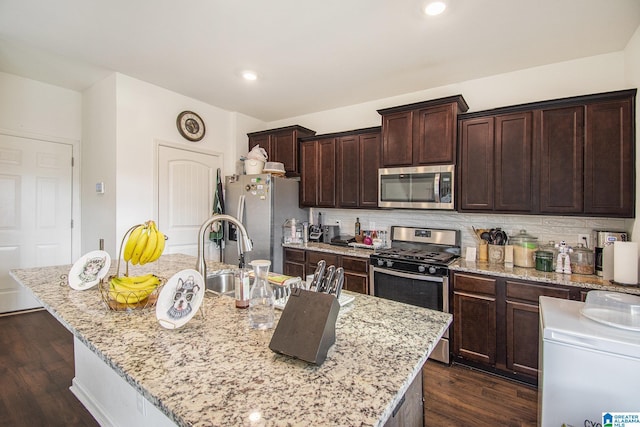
625,263
607,262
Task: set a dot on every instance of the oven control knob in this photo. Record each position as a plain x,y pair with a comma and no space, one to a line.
380,262
432,270
421,268
389,264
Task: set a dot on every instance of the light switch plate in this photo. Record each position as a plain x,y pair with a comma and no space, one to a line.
100,187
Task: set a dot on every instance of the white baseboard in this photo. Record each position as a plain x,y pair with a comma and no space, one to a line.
94,409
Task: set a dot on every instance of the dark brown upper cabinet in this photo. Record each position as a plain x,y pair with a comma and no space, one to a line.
318,173
349,167
281,145
349,179
495,163
609,158
422,133
476,164
358,162
561,150
571,156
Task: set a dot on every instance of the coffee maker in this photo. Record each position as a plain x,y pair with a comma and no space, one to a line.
603,244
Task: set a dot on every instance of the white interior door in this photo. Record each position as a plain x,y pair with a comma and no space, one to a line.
35,211
186,185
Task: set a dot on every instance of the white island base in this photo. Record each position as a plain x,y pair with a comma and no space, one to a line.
108,397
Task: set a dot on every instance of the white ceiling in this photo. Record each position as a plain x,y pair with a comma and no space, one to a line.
310,56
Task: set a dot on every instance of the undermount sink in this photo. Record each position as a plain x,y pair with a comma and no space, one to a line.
221,282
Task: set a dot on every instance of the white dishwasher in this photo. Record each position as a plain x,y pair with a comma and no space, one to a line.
588,368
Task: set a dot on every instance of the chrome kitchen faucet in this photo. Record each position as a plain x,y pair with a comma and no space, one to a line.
244,243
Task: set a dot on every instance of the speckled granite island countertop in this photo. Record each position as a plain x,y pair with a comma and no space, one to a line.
216,370
575,280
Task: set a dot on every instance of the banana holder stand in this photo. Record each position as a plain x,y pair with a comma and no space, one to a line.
109,297
307,327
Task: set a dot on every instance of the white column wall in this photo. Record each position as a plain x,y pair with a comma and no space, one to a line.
98,164
632,78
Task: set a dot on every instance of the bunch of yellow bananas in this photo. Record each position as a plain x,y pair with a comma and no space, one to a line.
134,289
145,244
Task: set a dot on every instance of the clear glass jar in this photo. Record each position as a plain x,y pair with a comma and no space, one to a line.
292,230
582,260
544,261
551,247
261,300
524,249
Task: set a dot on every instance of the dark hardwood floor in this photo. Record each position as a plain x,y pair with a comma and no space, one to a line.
460,396
36,368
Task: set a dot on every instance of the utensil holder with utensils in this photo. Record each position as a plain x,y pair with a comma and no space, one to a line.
496,254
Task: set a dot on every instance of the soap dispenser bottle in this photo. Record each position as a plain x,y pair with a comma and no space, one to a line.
242,286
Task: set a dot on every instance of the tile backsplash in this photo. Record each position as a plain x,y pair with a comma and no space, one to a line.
543,227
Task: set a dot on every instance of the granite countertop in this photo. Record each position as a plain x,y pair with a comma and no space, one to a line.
216,370
334,249
576,280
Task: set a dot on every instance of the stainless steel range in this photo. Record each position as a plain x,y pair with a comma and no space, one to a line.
414,270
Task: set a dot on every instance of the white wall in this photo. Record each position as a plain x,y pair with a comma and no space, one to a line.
32,109
125,120
98,164
632,78
595,74
39,109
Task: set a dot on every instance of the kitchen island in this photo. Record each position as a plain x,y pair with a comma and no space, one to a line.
217,371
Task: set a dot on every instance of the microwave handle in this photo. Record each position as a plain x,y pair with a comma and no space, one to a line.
436,187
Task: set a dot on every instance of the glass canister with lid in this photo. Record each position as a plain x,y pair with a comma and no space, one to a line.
544,261
551,247
582,260
524,249
292,231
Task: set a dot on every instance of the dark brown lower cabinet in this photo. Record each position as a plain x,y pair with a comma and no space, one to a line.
294,263
356,274
523,324
301,262
496,322
474,314
313,257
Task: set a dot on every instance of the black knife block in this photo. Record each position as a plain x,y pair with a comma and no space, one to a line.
307,327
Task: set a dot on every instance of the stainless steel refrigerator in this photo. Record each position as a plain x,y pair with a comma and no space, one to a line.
263,203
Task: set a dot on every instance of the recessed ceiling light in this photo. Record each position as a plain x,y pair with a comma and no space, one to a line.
249,75
435,8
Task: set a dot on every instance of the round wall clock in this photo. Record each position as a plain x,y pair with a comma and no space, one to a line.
190,126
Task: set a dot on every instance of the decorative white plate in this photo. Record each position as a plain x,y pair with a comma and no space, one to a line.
89,270
180,299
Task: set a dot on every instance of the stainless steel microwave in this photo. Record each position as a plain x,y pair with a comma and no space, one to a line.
420,187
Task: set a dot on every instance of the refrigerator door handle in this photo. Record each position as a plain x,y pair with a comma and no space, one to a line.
241,219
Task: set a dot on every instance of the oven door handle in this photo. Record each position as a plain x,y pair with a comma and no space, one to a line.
412,276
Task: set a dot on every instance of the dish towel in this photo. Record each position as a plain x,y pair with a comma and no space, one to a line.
217,230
